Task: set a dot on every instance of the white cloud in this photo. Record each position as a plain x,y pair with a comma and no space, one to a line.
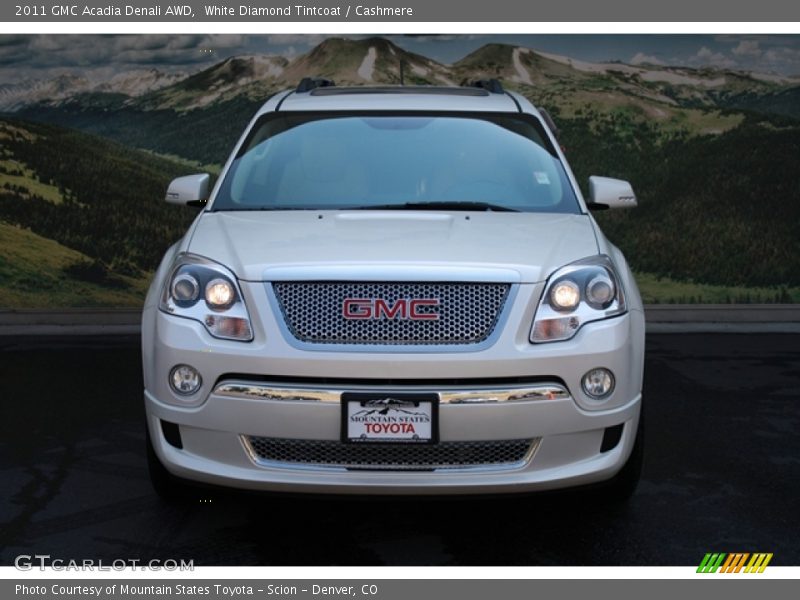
47,53
786,60
764,53
747,48
706,57
645,59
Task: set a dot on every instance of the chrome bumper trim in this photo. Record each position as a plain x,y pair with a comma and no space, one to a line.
536,392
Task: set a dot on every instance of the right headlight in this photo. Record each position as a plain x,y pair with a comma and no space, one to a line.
205,291
579,293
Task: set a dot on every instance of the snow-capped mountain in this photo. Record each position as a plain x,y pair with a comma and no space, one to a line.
65,87
32,91
653,90
138,82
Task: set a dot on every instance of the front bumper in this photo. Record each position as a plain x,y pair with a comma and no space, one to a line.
219,430
565,448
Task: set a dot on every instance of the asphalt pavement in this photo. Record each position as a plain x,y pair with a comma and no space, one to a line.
722,474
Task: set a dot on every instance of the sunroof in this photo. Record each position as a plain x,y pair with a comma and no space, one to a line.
411,89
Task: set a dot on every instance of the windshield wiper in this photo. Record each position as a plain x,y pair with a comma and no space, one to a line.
443,205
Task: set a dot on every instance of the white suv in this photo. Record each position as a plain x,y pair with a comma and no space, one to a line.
395,290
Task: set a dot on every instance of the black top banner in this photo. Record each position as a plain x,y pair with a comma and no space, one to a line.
242,11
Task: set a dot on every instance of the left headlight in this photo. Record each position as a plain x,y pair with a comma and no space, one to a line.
205,291
579,293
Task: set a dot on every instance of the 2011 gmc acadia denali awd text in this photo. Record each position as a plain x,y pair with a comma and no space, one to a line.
395,290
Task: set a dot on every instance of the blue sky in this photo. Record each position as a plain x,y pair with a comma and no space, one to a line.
42,56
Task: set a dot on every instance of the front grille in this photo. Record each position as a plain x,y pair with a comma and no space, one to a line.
468,312
391,457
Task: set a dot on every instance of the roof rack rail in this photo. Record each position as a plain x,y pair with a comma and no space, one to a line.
490,85
549,121
311,83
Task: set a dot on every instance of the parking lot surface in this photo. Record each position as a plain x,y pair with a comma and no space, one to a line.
722,474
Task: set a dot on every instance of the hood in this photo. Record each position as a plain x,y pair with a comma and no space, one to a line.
393,245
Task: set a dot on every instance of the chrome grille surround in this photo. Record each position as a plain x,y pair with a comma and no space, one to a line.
468,312
490,455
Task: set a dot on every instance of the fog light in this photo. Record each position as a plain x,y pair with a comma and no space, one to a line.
598,383
185,380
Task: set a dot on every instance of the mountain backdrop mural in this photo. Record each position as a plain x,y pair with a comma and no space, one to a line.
713,154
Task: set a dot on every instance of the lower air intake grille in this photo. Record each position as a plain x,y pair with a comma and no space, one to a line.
391,457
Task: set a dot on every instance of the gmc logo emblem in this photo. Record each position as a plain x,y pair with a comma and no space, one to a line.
404,308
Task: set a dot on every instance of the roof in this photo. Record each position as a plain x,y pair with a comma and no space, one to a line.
468,99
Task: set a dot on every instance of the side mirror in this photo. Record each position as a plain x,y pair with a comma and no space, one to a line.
605,192
190,190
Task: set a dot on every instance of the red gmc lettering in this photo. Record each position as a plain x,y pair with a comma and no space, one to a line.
415,304
363,308
357,308
382,307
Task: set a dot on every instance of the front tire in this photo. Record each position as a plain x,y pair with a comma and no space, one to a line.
622,486
170,489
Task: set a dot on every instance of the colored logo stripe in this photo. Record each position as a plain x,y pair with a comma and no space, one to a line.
734,562
758,563
710,563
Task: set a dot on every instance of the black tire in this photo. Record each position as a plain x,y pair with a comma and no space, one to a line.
622,486
170,489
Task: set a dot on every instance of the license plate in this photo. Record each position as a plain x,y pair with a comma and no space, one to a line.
390,418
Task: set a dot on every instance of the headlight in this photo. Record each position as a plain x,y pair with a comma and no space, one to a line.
584,291
565,295
184,289
220,307
220,294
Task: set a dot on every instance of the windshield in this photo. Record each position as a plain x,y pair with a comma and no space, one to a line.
395,161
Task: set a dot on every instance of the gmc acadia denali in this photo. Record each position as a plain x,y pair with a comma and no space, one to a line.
395,290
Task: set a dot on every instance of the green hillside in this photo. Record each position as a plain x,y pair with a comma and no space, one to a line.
716,209
39,273
712,155
92,196
780,102
165,131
